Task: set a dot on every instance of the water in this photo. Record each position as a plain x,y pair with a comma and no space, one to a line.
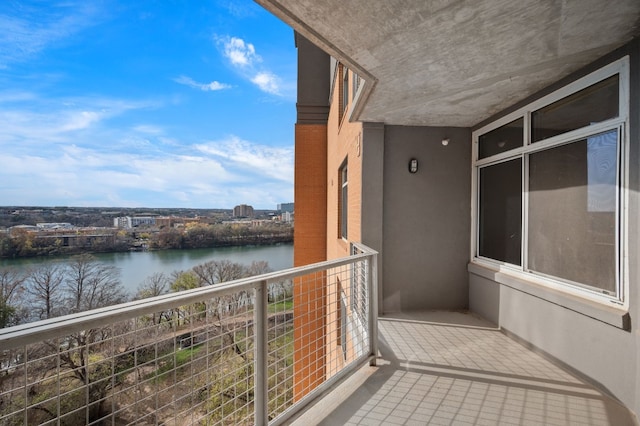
136,266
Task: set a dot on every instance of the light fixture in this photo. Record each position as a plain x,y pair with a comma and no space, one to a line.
413,165
445,141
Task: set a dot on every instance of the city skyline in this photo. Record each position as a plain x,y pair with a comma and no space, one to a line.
145,105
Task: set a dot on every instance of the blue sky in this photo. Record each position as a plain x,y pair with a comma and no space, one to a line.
163,103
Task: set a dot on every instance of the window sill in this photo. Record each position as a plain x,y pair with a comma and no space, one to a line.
612,315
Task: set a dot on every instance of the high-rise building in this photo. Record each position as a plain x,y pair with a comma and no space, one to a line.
243,210
286,207
133,221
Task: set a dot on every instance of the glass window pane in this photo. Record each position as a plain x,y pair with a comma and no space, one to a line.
344,202
594,104
502,139
572,211
500,221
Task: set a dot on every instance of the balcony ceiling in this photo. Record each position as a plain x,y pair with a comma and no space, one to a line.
456,62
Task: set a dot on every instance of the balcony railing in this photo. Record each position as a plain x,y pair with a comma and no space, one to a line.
251,351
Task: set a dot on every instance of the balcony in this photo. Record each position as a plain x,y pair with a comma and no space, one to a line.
251,351
454,368
244,352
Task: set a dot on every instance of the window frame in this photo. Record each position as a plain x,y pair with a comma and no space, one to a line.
343,200
344,91
619,123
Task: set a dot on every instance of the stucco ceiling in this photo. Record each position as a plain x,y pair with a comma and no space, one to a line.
457,62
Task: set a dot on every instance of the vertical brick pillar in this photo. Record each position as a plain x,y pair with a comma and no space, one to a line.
310,246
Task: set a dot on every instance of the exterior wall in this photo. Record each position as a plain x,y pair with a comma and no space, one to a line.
310,192
309,293
371,221
426,219
344,143
597,341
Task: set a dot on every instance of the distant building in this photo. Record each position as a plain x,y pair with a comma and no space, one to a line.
285,207
13,230
132,222
175,221
286,217
55,225
243,210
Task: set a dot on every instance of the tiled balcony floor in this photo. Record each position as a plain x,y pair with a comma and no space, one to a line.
447,368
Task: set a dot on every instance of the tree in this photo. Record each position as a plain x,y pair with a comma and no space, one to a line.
91,284
218,271
154,285
167,238
6,247
23,242
258,267
45,288
186,281
11,288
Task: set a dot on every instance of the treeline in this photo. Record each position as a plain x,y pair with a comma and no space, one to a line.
23,243
198,235
55,289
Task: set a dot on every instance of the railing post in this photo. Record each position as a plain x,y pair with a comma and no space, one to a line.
260,322
373,308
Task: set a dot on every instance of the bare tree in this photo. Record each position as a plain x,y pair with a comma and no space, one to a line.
45,289
154,285
258,267
218,271
91,284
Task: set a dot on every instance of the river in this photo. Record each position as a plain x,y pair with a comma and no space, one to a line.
136,266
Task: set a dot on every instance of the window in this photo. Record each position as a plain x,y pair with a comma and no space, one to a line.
339,314
504,138
549,186
358,285
576,239
344,90
341,326
356,85
500,215
343,202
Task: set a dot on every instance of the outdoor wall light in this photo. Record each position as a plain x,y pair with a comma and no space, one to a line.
445,141
413,165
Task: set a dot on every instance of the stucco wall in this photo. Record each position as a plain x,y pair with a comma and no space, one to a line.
371,222
581,337
426,219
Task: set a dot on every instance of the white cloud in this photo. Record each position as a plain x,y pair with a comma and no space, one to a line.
253,159
216,174
242,55
148,129
33,31
239,52
267,82
78,120
213,86
40,122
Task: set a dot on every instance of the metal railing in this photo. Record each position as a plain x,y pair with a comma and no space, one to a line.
251,351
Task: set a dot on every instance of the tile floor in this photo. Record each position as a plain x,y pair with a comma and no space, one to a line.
453,368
